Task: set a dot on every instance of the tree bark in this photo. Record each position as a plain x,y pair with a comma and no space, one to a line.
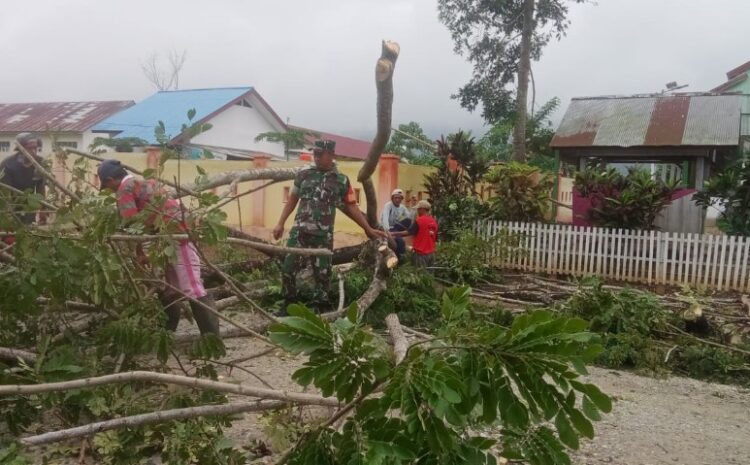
524,65
187,381
151,418
12,355
384,86
223,179
400,346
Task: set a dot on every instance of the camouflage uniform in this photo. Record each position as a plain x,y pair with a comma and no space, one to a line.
320,193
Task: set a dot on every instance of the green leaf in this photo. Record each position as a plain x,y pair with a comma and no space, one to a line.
200,170
581,423
191,114
590,410
564,429
352,312
601,400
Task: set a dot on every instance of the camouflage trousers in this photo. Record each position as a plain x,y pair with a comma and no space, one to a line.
321,266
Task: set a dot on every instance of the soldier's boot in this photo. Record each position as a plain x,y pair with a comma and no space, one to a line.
207,321
172,309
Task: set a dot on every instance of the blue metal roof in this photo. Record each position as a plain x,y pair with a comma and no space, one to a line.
171,107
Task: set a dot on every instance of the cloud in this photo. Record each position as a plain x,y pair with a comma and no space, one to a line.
314,61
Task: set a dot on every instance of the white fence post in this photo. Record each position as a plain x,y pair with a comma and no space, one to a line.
649,257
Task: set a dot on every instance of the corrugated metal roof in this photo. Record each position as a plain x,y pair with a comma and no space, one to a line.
171,107
56,116
651,120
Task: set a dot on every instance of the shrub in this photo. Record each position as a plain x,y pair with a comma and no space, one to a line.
455,203
466,259
522,192
631,202
730,192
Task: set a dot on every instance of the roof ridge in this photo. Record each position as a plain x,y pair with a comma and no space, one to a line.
205,88
654,95
75,101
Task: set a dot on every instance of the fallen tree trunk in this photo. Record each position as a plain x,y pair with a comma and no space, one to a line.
151,418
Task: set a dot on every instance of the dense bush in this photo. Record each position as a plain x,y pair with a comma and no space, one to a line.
730,192
522,192
455,202
633,201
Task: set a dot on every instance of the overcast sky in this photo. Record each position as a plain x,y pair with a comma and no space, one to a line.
313,60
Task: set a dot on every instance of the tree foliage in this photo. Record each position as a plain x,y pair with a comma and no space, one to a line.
412,144
729,191
631,201
65,262
452,189
496,143
522,192
440,404
292,138
489,34
119,144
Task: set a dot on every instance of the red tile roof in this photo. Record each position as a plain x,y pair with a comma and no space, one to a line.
56,116
743,68
345,146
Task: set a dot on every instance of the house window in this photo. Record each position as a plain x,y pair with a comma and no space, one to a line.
4,146
66,145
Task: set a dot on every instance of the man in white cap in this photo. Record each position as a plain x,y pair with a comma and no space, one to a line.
396,217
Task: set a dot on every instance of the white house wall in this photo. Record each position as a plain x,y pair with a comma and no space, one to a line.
236,128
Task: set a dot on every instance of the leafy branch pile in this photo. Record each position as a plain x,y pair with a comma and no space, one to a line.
474,392
641,333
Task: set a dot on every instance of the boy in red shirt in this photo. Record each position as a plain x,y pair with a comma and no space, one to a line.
425,232
183,272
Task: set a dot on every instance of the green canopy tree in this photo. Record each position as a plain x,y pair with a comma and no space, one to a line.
292,138
500,38
411,143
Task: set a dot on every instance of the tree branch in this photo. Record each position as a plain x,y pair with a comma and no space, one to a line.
222,179
9,354
151,418
400,346
150,376
47,174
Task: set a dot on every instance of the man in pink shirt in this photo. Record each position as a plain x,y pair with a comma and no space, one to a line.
162,214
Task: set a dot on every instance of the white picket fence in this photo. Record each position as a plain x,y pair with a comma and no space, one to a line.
650,257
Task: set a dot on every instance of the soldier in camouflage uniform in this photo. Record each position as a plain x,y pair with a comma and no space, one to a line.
319,190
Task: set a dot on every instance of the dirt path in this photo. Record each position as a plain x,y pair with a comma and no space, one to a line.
669,421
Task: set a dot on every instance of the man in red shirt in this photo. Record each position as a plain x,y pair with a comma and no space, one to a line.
425,232
162,214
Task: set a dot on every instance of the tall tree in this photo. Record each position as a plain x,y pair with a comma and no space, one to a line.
500,38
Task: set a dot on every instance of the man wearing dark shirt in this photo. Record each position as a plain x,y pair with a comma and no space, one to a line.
18,172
